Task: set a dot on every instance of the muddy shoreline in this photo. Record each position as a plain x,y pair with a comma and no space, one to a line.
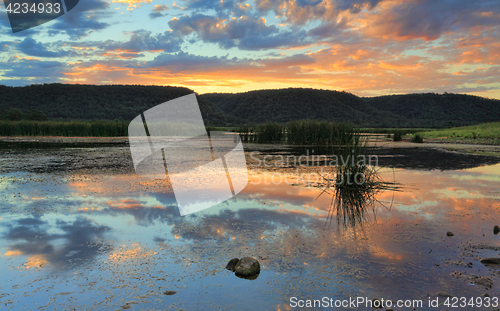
455,146
112,155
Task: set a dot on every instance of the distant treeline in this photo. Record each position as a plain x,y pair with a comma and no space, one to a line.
67,102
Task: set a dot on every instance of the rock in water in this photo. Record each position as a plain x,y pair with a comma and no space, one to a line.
231,264
496,229
247,266
449,233
169,292
491,261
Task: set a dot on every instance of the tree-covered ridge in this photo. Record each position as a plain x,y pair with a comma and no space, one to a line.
125,102
439,110
412,110
295,104
101,102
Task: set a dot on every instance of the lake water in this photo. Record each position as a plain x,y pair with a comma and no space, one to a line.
100,240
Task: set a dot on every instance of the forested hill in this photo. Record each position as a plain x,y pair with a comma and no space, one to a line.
291,104
125,102
106,102
442,110
412,110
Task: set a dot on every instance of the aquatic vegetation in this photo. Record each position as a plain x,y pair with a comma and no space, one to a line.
246,133
354,186
269,133
319,133
397,136
417,138
63,128
305,132
96,128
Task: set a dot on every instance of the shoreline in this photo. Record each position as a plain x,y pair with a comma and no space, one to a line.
452,146
63,139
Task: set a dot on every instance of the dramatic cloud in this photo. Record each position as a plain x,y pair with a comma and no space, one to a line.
429,19
368,47
246,33
301,12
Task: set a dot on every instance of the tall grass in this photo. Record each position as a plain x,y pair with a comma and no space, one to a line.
300,133
396,136
319,133
246,133
417,138
269,133
62,128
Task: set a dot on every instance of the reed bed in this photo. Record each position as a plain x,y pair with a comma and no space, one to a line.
319,133
269,133
246,133
64,128
300,133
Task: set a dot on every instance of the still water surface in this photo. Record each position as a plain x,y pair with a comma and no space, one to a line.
80,240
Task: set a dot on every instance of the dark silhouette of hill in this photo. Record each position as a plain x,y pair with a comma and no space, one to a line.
412,110
439,110
125,102
103,102
292,104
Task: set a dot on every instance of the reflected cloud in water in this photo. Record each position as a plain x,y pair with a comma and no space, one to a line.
59,243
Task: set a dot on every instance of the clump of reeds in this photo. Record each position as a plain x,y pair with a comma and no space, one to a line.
397,136
417,138
354,186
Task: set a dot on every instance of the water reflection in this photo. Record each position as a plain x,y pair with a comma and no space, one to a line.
354,192
94,240
63,244
416,158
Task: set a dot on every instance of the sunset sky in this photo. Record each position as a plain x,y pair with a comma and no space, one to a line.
367,47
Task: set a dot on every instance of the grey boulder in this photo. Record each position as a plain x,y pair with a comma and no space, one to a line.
247,266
